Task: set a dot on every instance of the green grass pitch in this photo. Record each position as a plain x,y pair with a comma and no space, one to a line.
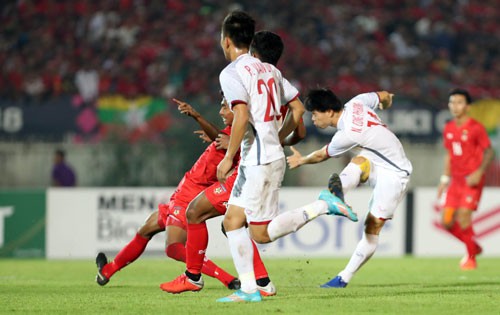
383,286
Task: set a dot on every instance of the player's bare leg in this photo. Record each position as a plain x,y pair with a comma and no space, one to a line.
129,253
356,172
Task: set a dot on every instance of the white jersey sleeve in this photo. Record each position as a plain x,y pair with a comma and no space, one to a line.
360,127
340,144
289,92
370,100
232,87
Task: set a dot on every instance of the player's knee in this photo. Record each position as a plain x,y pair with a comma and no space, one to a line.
191,215
261,239
464,220
364,164
259,234
447,224
448,218
150,227
358,160
374,225
176,251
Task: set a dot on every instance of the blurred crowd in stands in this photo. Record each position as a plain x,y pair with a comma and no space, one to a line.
415,48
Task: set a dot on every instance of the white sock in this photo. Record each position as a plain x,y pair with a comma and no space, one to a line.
350,177
291,221
364,250
241,248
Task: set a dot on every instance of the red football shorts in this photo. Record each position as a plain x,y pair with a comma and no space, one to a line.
172,213
218,194
460,195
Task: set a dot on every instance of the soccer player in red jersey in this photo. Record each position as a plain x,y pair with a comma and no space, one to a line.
469,154
212,202
171,217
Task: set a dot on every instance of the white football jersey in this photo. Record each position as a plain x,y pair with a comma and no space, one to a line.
262,88
361,129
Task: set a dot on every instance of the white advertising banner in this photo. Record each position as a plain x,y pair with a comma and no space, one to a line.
430,239
83,221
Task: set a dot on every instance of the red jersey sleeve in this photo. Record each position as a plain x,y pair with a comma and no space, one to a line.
483,141
446,138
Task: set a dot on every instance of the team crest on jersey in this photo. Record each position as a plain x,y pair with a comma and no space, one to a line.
468,199
465,135
449,135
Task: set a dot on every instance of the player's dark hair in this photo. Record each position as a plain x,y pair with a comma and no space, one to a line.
239,27
61,153
268,46
463,92
322,100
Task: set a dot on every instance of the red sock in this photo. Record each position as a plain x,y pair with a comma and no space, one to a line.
128,254
211,269
258,266
176,251
456,231
468,239
196,245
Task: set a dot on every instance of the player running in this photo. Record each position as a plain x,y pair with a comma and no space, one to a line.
171,217
380,160
212,202
469,154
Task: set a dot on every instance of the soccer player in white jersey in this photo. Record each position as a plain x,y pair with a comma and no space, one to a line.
380,161
255,92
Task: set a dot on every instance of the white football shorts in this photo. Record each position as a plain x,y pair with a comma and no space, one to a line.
389,188
256,189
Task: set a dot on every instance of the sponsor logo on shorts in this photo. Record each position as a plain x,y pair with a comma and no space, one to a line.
220,190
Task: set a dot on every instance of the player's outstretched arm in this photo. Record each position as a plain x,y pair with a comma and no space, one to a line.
296,159
385,100
210,129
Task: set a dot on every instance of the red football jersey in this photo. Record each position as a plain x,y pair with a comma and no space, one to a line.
465,145
202,174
